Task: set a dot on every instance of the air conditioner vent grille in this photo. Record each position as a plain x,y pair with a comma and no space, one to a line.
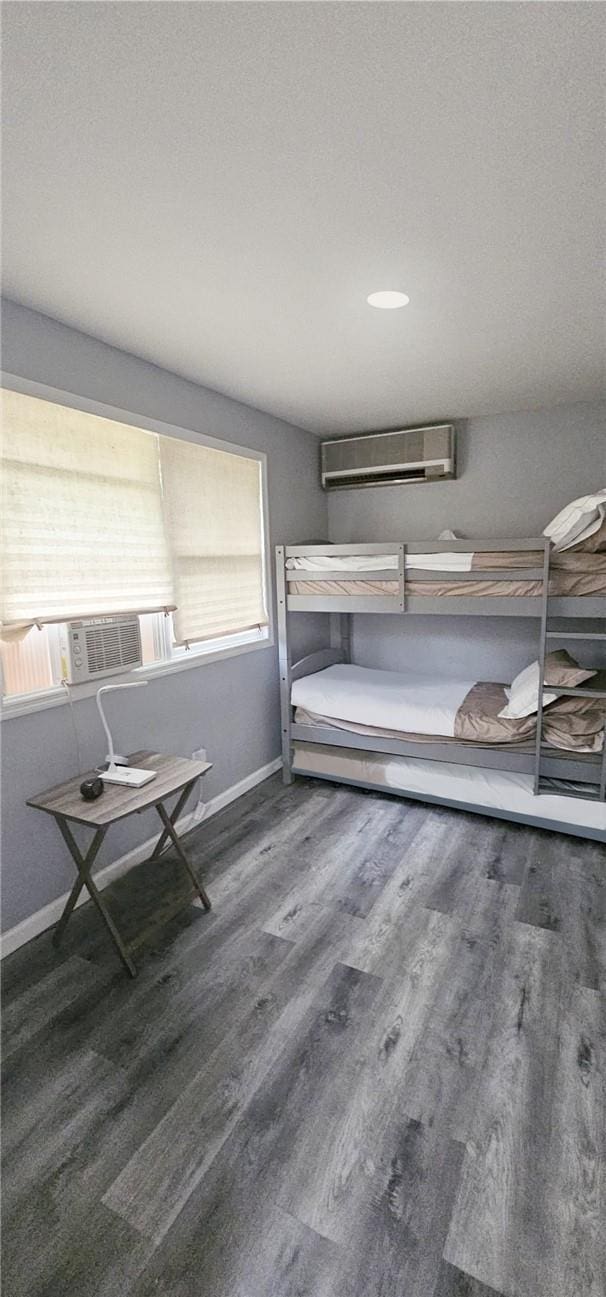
111,647
102,647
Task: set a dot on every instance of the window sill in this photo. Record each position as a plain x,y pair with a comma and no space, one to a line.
25,704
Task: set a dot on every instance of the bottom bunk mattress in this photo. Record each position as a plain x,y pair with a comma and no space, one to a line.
394,704
495,792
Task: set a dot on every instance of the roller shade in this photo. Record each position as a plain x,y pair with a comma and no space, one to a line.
212,503
82,522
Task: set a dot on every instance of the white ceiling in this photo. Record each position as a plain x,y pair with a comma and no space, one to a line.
217,188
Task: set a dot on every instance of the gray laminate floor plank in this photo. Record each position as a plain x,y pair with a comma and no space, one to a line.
39,1005
506,862
52,1210
374,1070
575,1178
467,848
57,1236
268,800
554,1215
564,891
28,965
42,1060
298,1101
330,1169
273,839
440,1080
422,1053
91,1255
396,1246
499,1230
365,849
59,1123
385,941
160,1176
454,1283
250,1249
258,876
194,1024
115,1021
465,883
218,846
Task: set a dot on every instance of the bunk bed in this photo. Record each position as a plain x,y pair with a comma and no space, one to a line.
564,593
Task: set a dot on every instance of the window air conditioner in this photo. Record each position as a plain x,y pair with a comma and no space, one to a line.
99,646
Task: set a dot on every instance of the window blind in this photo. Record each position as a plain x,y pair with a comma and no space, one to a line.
212,503
82,526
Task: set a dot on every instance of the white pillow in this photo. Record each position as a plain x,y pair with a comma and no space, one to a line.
524,694
577,521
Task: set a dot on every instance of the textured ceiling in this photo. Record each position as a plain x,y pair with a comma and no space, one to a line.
217,187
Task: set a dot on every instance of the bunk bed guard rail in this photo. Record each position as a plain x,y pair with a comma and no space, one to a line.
405,572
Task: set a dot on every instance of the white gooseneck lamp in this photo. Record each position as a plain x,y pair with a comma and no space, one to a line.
132,776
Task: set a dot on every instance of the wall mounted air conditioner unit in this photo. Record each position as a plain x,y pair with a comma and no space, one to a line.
386,458
99,646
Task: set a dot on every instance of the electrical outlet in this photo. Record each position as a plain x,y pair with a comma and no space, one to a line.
199,755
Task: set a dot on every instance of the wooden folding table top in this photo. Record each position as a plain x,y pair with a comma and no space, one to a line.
117,801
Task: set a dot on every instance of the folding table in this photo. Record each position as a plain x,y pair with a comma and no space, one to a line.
65,803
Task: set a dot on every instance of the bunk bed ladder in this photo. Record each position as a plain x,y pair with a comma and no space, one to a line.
595,791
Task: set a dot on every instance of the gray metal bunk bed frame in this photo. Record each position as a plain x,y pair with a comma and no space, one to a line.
536,758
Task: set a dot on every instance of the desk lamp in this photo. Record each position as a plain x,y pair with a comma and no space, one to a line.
132,776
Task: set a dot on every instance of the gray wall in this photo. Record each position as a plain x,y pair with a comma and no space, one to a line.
515,472
230,707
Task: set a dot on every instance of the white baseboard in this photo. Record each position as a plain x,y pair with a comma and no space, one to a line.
50,914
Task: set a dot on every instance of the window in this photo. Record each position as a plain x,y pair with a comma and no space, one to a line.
102,518
213,517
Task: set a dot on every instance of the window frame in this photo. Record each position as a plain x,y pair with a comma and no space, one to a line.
180,660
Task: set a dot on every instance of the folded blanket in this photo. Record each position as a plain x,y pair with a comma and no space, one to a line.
575,722
581,560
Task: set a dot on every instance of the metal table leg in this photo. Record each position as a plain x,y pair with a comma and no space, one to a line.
165,836
170,832
79,883
83,865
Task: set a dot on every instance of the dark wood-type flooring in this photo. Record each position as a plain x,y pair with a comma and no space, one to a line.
374,1070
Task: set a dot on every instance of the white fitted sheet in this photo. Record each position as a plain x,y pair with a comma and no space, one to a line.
445,562
490,789
393,700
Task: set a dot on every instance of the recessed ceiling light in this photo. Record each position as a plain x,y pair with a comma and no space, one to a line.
388,300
